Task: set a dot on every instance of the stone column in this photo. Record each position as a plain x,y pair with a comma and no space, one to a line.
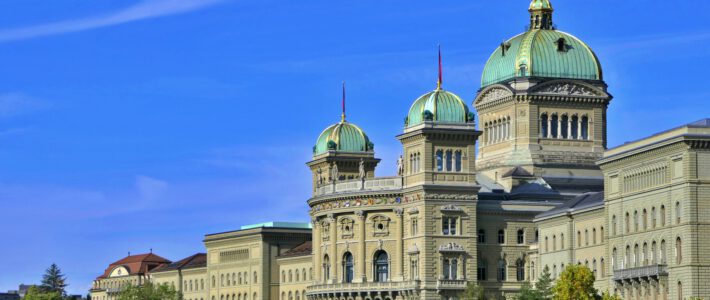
361,246
400,243
333,258
569,127
317,242
579,128
559,127
549,125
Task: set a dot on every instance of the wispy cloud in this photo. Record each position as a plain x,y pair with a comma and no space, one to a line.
12,104
143,10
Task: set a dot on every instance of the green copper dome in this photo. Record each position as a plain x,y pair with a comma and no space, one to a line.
440,106
343,136
541,52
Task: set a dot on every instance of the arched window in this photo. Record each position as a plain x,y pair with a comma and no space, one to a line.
644,254
680,291
644,220
303,275
554,242
543,126
202,284
554,271
586,237
627,224
562,241
663,215
678,251
255,281
381,266
214,281
298,277
636,221
677,213
290,295
501,236
290,276
579,238
602,267
482,270
564,127
439,160
594,268
502,270
662,252
283,276
627,259
614,259
613,225
221,279
532,270
636,255
601,234
520,270
554,126
575,127
457,158
449,161
326,267
547,246
594,236
585,128
481,236
521,236
348,272
537,235
653,217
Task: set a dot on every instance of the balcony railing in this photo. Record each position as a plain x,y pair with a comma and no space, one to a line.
371,184
451,284
362,287
641,272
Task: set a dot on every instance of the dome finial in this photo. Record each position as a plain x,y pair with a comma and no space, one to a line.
540,14
342,117
440,81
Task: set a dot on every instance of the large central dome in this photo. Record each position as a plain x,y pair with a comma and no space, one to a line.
542,51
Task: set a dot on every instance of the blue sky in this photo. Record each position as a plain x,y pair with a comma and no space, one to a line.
130,125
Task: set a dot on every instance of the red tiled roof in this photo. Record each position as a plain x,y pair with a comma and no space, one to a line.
305,248
137,264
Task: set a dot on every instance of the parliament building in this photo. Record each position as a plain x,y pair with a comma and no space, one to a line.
494,198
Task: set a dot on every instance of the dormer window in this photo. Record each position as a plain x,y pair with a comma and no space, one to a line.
561,45
504,48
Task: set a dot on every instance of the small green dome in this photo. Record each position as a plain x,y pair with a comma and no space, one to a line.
542,53
343,136
439,106
540,4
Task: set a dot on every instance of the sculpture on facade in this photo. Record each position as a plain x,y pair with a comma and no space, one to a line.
400,166
362,169
334,172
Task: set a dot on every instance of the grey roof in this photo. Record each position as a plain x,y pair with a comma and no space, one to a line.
198,260
583,201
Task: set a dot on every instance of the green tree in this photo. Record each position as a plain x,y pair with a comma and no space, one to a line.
527,292
609,296
149,291
53,280
37,293
473,291
575,282
543,286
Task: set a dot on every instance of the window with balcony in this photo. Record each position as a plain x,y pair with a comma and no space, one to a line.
450,268
482,270
381,266
348,272
502,270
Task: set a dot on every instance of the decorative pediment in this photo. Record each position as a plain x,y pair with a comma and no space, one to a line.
413,249
451,208
493,94
451,247
568,89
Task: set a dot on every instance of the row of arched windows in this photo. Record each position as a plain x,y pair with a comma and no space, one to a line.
234,279
641,220
573,127
502,272
448,160
415,162
380,267
192,285
295,276
240,296
497,130
297,295
643,255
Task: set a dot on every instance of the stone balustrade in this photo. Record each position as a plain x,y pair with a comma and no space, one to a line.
357,185
451,284
369,287
650,271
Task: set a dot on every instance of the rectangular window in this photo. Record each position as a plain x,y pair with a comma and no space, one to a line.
448,225
415,226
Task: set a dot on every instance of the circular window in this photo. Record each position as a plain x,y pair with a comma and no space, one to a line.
380,226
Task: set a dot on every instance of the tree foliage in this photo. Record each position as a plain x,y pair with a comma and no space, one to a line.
575,282
53,280
149,291
473,291
527,292
38,293
543,286
609,296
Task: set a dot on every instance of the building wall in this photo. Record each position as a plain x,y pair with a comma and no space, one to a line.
296,274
